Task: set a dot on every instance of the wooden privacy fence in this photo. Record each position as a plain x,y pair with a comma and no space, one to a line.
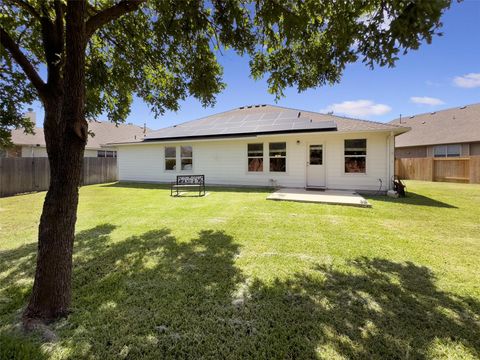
464,169
20,175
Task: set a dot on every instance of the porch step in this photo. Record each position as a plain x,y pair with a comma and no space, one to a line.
315,188
340,197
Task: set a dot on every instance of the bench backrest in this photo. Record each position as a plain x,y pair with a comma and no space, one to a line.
190,179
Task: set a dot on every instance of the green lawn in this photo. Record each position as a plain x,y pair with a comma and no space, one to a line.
235,276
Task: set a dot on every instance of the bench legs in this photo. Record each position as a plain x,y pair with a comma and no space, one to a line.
176,190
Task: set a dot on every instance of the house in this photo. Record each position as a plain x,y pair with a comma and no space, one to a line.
265,145
453,132
103,132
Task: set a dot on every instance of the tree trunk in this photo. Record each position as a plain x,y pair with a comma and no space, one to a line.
65,135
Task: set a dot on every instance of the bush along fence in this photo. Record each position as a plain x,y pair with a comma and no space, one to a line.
462,169
21,175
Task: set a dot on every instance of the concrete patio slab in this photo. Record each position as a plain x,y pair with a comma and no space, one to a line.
340,197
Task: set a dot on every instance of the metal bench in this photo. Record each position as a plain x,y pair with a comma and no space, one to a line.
188,182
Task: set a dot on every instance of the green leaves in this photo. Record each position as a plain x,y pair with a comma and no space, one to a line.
308,43
15,90
167,50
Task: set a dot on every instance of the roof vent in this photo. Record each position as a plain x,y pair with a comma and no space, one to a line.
463,107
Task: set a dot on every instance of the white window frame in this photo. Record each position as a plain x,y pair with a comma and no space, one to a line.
186,158
446,152
165,158
270,157
104,153
354,156
256,157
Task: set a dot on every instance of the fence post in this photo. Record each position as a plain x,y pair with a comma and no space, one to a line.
474,171
432,176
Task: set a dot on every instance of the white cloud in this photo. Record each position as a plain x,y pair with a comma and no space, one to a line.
433,83
425,100
468,81
358,108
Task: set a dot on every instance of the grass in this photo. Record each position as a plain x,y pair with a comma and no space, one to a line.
235,276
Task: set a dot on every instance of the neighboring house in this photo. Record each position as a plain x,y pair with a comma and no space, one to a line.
266,145
448,133
27,145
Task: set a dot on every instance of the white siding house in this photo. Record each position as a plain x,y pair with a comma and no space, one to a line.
355,154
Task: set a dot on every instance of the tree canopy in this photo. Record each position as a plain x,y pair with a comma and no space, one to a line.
166,50
98,54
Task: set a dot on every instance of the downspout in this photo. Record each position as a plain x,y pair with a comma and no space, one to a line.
387,185
390,142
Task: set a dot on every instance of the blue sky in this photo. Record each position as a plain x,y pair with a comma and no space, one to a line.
437,76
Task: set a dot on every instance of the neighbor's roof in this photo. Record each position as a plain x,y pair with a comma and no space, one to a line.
105,132
455,125
265,119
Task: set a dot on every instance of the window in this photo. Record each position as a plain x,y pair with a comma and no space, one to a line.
255,157
440,151
316,155
186,155
278,156
355,156
453,150
106,153
170,158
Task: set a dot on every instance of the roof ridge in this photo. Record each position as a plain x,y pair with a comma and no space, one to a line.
460,107
338,116
108,122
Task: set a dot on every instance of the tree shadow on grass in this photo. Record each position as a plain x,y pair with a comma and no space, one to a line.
382,309
17,266
152,296
209,188
413,199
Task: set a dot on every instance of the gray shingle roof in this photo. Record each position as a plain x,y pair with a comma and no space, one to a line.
105,133
455,125
262,119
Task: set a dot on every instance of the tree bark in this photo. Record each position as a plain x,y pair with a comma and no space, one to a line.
65,135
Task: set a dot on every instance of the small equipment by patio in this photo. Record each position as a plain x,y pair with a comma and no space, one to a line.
399,186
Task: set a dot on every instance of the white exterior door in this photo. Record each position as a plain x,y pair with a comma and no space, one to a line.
315,165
